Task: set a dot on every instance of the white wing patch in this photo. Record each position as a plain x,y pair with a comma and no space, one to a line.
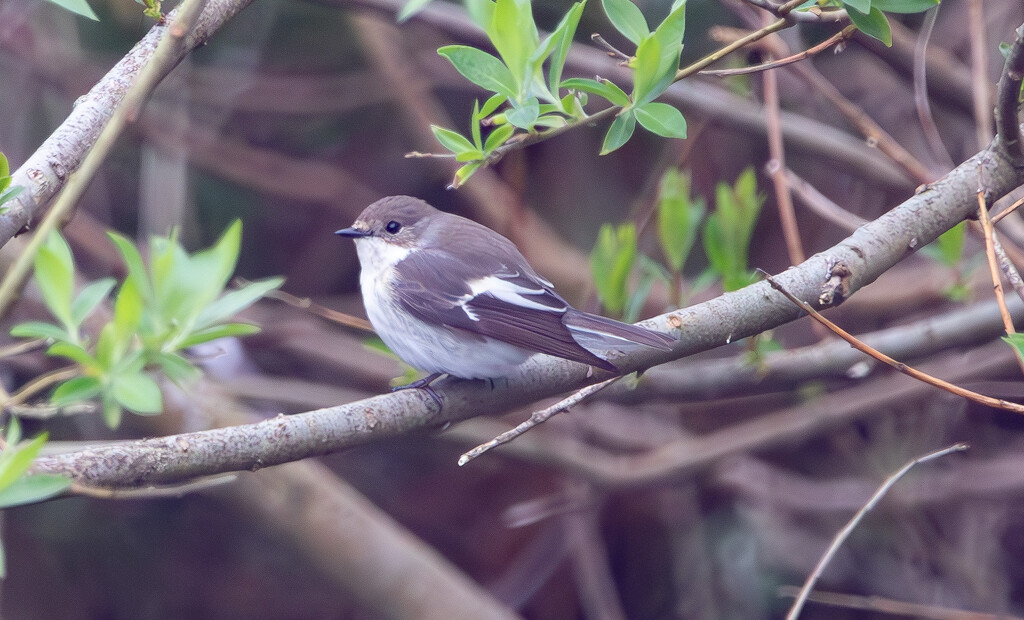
508,292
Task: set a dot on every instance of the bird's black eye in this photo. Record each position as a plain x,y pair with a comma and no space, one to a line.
393,227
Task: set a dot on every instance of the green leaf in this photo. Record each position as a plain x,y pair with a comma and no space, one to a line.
452,140
218,331
728,230
10,193
863,6
137,392
235,301
111,411
76,390
679,218
611,262
411,8
904,6
627,19
1016,341
661,119
39,329
645,68
620,132
78,7
525,114
16,460
604,88
176,367
32,489
491,104
75,353
873,24
136,267
128,309
481,12
949,247
560,40
210,269
5,172
462,174
90,297
13,435
498,137
514,34
482,69
55,274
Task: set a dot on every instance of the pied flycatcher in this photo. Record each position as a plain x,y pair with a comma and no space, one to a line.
448,295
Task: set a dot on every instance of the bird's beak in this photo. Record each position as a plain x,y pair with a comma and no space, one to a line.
352,231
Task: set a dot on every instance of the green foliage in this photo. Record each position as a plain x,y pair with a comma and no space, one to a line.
728,230
535,99
611,262
869,15
679,218
1017,342
17,488
177,302
948,249
152,9
6,191
78,7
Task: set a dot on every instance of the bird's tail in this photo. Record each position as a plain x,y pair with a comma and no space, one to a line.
600,334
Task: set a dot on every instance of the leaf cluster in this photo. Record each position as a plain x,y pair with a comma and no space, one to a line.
177,301
727,234
526,78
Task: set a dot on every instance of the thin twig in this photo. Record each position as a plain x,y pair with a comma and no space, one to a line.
40,383
993,267
924,108
537,417
835,39
1008,268
22,347
843,534
1008,210
981,97
152,492
822,205
988,401
894,607
307,304
776,170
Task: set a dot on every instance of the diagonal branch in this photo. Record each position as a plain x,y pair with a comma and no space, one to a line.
826,278
45,172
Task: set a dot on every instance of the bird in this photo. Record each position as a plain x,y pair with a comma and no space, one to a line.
450,296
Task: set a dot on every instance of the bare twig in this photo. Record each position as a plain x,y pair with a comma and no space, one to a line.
988,401
981,88
1008,210
307,304
893,607
924,108
843,534
993,267
537,417
836,39
820,204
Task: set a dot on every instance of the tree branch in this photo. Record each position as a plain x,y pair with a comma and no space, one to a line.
824,279
1008,101
45,172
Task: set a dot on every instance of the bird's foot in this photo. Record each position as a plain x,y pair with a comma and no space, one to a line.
424,384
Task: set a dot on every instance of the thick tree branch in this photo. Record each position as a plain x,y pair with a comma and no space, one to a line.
45,172
1008,101
824,279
